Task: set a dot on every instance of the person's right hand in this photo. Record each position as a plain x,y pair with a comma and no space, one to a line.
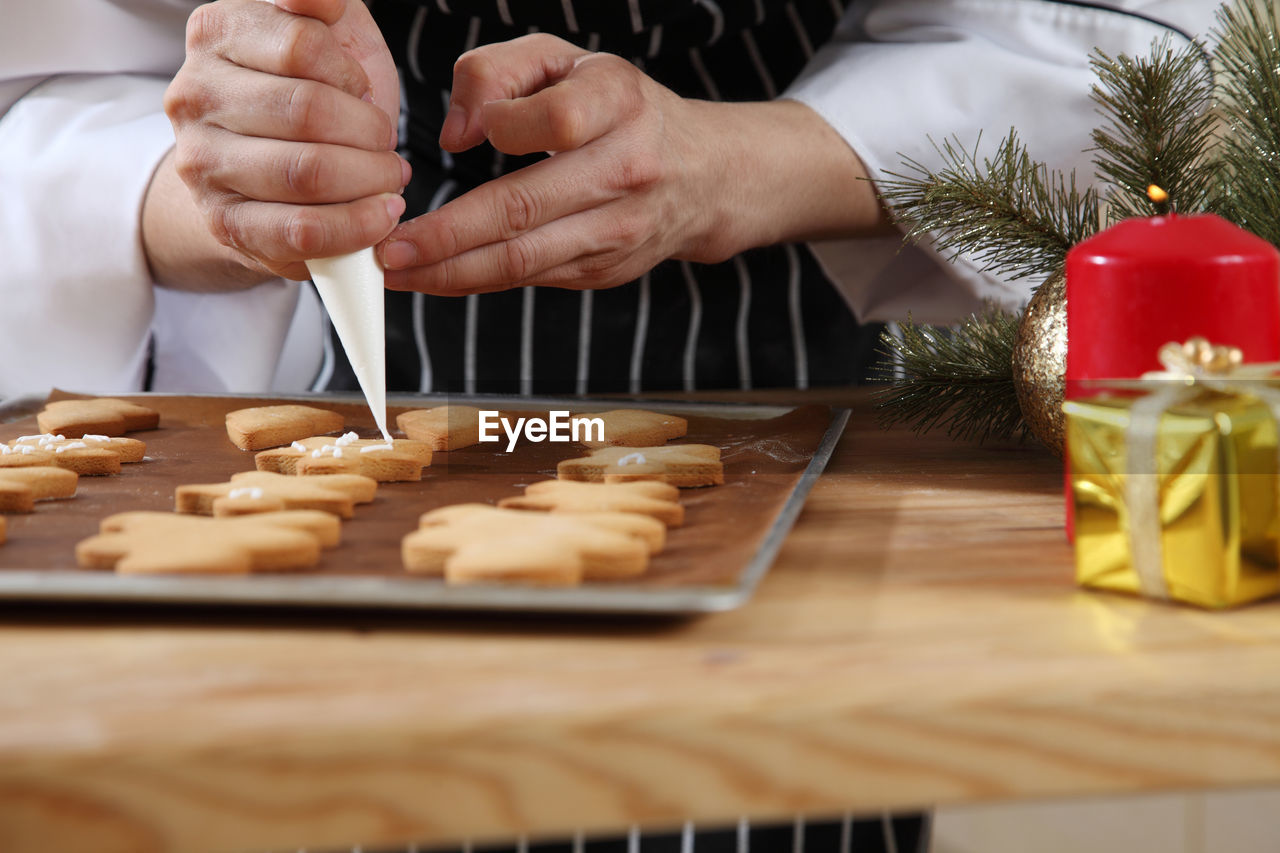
285,117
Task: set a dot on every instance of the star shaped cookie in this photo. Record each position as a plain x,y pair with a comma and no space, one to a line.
645,497
682,465
98,416
88,456
144,543
260,427
479,544
402,459
633,428
253,492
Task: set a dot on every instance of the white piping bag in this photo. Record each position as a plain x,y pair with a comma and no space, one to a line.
351,288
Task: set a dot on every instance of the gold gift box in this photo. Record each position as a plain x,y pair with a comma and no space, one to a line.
1215,461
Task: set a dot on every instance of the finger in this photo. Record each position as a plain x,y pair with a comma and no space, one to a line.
301,172
265,38
582,107
504,208
254,104
280,234
597,240
328,11
497,72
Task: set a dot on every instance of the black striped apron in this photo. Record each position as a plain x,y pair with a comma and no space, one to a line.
767,318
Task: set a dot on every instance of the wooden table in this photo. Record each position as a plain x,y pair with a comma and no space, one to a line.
919,642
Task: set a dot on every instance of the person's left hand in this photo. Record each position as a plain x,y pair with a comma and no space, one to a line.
628,185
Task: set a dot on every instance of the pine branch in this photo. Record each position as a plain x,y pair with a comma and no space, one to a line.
1159,129
960,380
1009,212
1249,99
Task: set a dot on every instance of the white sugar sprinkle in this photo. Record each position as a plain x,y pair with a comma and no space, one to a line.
249,492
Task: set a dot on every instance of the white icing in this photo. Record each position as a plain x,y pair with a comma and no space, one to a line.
351,287
327,450
70,445
632,459
26,439
90,437
5,450
298,446
376,447
347,438
26,450
247,492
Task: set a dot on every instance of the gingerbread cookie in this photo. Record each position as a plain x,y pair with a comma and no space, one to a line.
632,428
478,543
272,426
402,459
646,497
88,456
20,488
100,416
161,542
682,465
3,528
263,491
442,428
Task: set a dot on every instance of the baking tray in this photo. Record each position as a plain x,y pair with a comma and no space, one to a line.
773,455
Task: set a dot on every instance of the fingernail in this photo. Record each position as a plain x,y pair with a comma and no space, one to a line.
455,123
406,172
395,207
399,255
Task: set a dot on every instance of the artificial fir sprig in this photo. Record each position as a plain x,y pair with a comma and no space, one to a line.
1016,218
958,379
1159,130
1013,215
1249,99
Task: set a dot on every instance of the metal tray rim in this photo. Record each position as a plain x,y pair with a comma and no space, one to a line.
413,594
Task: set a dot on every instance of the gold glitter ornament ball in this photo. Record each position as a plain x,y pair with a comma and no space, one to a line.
1040,362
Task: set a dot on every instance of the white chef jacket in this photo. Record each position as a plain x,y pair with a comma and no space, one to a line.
81,132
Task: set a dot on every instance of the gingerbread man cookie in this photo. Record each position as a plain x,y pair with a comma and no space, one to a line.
88,456
402,459
98,416
682,465
261,427
646,497
161,542
478,543
634,428
252,492
20,488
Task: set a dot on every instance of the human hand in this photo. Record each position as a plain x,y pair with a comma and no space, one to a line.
622,191
285,119
638,175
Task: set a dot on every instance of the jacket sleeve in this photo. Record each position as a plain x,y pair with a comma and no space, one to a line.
76,156
902,75
82,131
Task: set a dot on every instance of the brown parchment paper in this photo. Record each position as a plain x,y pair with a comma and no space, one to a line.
724,525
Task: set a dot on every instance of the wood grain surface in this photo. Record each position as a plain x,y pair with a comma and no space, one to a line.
918,642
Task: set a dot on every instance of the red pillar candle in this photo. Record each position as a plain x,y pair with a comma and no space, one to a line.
1145,282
